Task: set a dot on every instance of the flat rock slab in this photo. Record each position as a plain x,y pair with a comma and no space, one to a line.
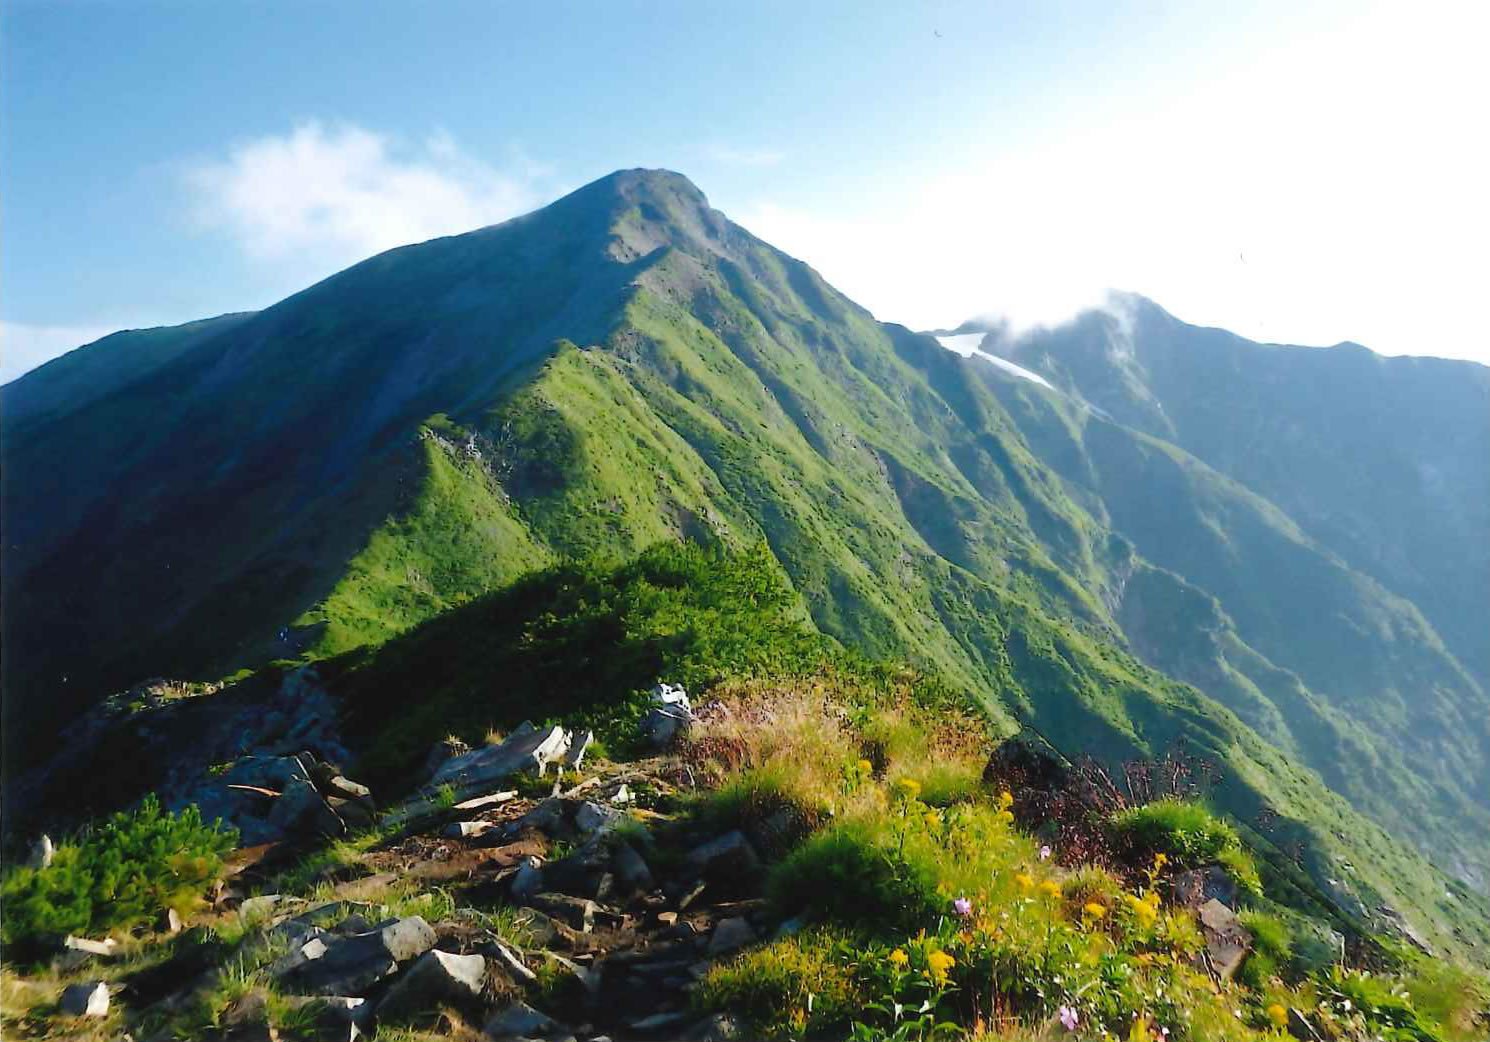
731,934
519,1020
355,963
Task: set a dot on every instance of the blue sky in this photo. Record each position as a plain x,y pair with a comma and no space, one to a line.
1295,172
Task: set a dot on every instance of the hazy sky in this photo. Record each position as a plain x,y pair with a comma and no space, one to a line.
1295,173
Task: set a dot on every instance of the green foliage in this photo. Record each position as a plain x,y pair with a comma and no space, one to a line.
123,871
1189,834
1272,947
855,873
800,986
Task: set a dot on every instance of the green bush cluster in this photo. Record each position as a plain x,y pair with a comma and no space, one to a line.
121,872
1189,835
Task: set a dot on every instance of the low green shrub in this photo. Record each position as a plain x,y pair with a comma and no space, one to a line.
1189,835
802,986
1272,948
121,872
855,873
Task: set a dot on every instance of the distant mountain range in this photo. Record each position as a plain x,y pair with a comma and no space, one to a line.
1125,532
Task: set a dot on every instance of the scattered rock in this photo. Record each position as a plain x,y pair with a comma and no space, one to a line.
355,963
104,948
729,935
623,796
85,1000
302,810
1226,940
519,1019
578,912
663,724
730,858
437,977
1199,885
658,1020
591,818
632,870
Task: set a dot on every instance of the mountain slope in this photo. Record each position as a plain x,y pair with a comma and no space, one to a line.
622,367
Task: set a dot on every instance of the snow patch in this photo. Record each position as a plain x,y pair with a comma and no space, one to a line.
967,345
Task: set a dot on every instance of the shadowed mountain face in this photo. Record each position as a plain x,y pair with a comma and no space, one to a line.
627,366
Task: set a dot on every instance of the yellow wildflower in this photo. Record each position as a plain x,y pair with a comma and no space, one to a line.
1005,800
1004,817
932,821
899,958
908,788
1094,910
940,963
1160,860
1278,1015
865,767
1050,888
1025,881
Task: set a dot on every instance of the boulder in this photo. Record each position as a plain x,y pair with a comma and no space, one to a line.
672,695
663,724
631,869
1199,885
442,751
85,1000
729,935
730,858
518,1019
301,809
436,978
355,963
1226,940
591,818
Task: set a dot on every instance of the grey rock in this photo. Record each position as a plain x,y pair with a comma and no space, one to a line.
631,869
672,695
578,912
444,750
729,935
591,818
436,977
527,748
528,880
1226,940
579,744
663,724
658,1020
42,853
730,857
347,789
1199,885
512,962
355,963
518,1018
301,809
301,952
85,1000
104,948
170,921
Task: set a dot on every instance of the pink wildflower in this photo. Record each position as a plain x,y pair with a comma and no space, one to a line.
1045,852
1069,1018
963,907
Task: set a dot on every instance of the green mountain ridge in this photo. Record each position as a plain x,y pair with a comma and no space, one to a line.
626,366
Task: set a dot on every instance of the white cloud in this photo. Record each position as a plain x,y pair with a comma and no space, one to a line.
324,197
23,347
